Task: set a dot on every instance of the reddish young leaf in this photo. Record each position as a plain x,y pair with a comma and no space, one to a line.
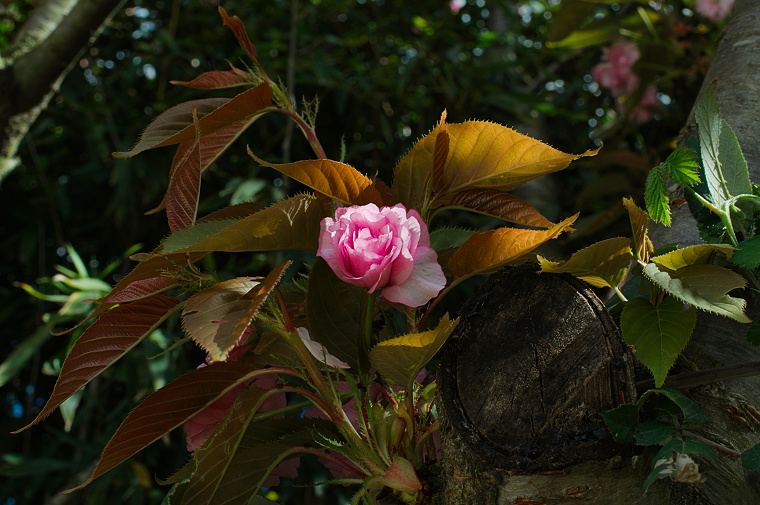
138,289
104,342
238,28
219,79
176,124
212,146
411,179
170,407
185,186
441,152
497,203
488,251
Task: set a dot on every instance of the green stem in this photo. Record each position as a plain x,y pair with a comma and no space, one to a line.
619,293
365,342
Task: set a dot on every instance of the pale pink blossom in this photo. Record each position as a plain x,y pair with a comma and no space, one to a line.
642,111
715,10
456,5
319,351
387,248
616,70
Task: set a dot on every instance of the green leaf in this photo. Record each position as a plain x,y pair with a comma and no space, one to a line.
725,168
682,167
399,360
661,471
18,358
686,446
659,333
622,422
753,334
704,286
446,241
334,309
653,432
656,196
748,255
602,264
751,458
692,413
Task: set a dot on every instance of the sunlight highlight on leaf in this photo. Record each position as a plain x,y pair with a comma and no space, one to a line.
602,264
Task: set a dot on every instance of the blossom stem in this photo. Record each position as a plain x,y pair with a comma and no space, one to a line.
366,341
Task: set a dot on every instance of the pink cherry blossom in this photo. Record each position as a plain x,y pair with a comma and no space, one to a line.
715,10
387,248
456,5
642,111
616,70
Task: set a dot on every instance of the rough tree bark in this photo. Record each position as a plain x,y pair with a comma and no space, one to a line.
42,53
473,474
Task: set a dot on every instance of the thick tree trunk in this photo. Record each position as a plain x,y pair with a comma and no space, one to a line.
496,472
42,53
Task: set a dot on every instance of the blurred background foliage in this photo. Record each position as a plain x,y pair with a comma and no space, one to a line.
382,71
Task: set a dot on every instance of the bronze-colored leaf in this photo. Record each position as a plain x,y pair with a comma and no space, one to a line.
238,28
488,251
639,223
110,337
497,203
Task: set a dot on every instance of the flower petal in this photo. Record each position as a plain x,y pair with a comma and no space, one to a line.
425,282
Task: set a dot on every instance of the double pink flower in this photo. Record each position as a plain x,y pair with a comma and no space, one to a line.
384,248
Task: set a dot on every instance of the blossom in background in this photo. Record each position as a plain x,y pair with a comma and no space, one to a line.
616,70
642,111
715,10
386,248
456,5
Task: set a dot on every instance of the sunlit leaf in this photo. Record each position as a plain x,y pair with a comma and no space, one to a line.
334,309
488,251
639,224
659,333
602,264
497,203
176,124
682,167
440,152
169,408
399,360
337,180
488,155
704,286
216,317
692,255
288,224
412,179
656,196
238,28
106,340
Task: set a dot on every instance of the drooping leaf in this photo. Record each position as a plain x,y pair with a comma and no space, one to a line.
219,79
653,432
106,340
337,180
288,224
692,255
622,422
488,251
692,413
751,458
643,247
497,203
659,333
748,255
399,360
211,147
215,114
216,317
238,28
602,264
656,196
138,289
334,309
185,185
682,167
704,286
170,407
